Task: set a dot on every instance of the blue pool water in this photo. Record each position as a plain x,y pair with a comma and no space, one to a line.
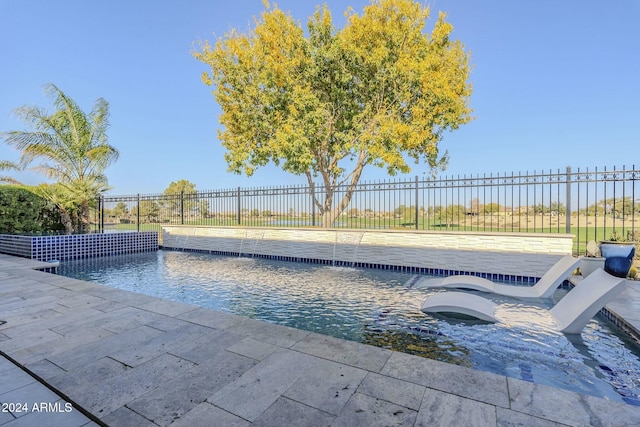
382,308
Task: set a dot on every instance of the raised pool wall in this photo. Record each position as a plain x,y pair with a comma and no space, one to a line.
511,256
78,246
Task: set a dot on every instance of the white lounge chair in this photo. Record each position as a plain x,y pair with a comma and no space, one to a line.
544,288
571,313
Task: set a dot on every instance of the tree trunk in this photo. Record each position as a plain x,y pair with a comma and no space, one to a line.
84,217
330,214
65,218
328,219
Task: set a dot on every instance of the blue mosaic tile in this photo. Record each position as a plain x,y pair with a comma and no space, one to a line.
68,247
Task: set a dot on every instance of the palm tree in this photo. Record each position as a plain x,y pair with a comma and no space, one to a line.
73,148
58,196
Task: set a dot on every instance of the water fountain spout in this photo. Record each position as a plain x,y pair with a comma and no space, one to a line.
242,243
346,247
355,253
258,239
253,238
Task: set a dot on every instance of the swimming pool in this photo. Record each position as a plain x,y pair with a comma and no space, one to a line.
382,308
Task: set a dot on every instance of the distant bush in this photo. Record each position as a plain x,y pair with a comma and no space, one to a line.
492,208
22,212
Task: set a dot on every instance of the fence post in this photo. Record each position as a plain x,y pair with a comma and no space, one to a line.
416,214
182,207
101,202
138,219
239,206
568,214
313,204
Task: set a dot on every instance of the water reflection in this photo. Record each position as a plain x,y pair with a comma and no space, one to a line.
382,308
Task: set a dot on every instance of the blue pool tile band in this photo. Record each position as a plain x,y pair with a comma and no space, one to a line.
78,246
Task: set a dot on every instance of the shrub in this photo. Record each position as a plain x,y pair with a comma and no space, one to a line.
22,212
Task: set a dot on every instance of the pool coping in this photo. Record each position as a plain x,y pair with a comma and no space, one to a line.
96,329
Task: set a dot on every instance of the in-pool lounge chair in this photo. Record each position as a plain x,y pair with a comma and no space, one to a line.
571,313
544,288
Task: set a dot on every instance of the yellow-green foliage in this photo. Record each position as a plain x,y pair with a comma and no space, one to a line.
633,271
378,91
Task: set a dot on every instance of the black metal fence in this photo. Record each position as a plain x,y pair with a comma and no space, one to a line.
590,204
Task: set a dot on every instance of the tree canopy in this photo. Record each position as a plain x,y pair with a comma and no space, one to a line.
326,103
181,197
73,148
182,186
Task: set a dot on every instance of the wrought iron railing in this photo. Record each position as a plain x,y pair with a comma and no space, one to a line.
590,204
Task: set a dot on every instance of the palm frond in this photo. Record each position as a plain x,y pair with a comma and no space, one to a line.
9,180
7,165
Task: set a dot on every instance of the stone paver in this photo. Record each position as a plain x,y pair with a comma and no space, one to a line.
133,360
24,401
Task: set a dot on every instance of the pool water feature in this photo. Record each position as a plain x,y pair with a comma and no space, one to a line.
346,247
382,308
253,238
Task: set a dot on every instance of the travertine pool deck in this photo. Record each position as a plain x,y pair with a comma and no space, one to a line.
127,359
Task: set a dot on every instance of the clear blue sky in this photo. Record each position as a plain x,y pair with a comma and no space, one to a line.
556,83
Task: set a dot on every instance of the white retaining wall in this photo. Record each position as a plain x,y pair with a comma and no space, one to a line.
517,254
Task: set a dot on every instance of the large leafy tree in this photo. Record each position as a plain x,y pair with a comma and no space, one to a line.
73,150
147,210
181,196
380,91
120,210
